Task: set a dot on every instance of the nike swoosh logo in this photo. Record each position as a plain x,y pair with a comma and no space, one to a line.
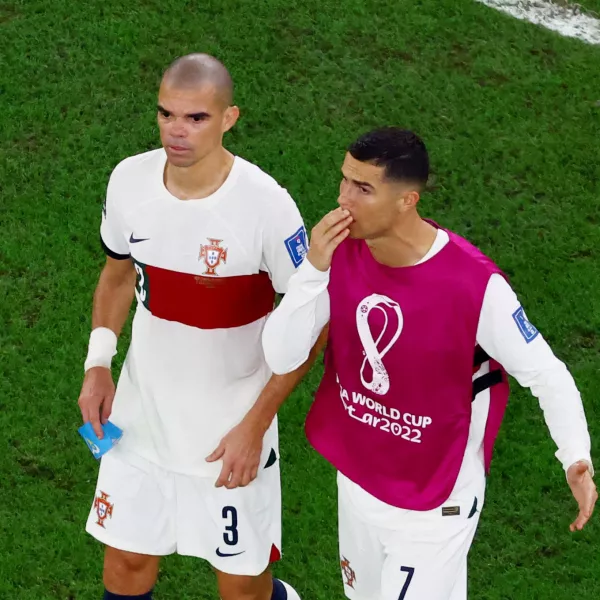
133,240
224,555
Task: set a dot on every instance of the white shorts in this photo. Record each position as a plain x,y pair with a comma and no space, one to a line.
147,510
424,557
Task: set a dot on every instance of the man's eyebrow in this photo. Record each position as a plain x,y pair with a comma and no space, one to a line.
192,115
360,183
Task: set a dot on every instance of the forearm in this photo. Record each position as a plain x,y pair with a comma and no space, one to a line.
292,329
112,300
563,411
533,364
280,387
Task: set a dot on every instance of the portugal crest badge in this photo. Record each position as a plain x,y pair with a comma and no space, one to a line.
213,255
103,508
347,572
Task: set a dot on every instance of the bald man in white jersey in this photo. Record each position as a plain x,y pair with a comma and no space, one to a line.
204,240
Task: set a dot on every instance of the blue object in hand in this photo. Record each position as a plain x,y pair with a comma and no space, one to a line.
112,434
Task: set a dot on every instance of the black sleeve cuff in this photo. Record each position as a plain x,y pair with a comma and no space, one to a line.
112,254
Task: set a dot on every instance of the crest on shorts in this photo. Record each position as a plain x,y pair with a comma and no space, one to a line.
103,508
213,256
348,572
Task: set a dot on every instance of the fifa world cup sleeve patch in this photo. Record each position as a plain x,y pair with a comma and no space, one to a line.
528,331
296,246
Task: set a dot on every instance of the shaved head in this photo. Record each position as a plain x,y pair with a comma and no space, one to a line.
195,109
197,70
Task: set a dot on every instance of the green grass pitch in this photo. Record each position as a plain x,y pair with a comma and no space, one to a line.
511,115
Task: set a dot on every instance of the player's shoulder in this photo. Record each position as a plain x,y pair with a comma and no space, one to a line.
265,189
472,254
138,164
134,178
256,176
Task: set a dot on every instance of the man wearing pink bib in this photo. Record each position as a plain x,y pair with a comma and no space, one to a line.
422,331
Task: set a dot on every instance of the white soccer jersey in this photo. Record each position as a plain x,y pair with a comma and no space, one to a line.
207,273
514,343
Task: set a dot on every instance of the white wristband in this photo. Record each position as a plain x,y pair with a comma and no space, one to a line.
101,349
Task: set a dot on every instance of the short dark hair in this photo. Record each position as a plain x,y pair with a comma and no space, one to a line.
402,153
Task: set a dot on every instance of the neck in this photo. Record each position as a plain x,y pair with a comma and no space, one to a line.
405,244
200,180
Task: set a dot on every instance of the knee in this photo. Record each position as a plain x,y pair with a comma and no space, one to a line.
249,595
127,562
129,573
241,592
246,588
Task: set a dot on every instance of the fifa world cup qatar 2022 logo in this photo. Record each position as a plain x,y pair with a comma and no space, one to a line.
380,322
380,381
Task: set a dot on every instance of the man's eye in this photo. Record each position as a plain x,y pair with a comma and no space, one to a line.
165,114
197,118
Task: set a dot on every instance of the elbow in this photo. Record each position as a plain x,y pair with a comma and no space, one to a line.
279,364
283,368
277,356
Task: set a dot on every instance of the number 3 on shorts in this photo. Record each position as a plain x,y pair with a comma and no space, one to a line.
409,575
230,537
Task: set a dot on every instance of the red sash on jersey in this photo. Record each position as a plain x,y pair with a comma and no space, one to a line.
205,302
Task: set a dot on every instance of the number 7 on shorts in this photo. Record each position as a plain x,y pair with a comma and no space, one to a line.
409,575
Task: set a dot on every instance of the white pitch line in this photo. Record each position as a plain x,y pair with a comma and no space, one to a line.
566,20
